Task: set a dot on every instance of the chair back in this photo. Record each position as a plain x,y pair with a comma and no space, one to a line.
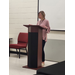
23,37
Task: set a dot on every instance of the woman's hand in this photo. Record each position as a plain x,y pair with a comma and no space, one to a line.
45,27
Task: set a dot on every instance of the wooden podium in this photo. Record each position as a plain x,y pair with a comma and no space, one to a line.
34,47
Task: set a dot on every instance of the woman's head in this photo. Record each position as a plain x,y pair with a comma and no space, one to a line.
41,15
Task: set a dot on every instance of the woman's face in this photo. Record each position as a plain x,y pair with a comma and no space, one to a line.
40,16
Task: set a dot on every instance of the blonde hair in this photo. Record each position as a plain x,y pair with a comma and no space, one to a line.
43,14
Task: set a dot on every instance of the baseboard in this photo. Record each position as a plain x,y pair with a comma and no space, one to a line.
18,52
51,60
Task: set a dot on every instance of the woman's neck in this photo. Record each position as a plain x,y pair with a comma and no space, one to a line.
42,19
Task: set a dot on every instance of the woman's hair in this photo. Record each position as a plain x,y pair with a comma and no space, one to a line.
43,14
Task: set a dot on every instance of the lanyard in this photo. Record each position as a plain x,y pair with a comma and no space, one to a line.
41,22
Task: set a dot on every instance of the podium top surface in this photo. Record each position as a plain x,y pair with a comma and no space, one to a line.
34,26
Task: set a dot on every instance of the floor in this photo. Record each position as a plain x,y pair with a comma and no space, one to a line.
15,65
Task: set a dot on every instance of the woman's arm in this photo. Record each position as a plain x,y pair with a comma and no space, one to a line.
45,27
48,27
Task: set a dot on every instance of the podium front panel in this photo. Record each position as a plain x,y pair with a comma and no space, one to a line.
32,49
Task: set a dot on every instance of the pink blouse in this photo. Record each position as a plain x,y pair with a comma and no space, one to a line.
44,31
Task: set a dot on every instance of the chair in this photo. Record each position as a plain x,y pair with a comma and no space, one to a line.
22,43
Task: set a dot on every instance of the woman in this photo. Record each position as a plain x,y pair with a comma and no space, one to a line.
43,23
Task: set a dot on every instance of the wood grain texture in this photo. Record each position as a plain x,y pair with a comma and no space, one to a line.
39,54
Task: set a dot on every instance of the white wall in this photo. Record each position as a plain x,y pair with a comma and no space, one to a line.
55,46
21,12
55,12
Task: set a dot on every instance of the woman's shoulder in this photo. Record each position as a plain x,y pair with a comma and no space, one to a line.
46,20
